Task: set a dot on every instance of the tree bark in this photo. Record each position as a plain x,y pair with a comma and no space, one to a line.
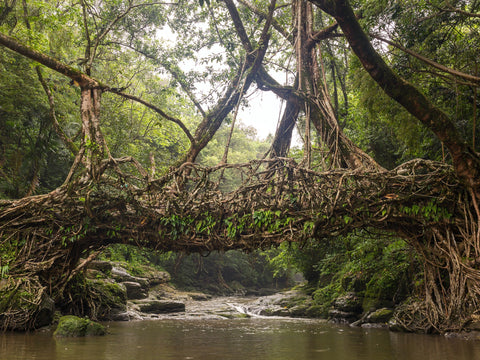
283,135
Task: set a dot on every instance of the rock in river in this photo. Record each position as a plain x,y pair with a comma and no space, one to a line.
159,306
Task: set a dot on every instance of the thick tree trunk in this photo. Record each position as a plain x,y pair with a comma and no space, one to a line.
283,135
343,153
93,140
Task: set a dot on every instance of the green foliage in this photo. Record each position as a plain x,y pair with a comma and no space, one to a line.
134,259
4,270
442,36
30,153
228,272
432,211
379,269
9,249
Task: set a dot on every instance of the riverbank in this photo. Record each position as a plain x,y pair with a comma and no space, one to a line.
112,291
151,296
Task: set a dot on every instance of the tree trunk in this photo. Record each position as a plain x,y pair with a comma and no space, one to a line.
93,139
342,151
283,135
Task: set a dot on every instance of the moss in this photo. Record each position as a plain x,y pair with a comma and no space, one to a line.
13,297
137,262
107,295
73,326
380,316
324,297
24,304
316,311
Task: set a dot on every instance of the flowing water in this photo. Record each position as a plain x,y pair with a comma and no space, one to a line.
201,337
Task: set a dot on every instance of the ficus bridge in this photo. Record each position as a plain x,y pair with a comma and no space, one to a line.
232,206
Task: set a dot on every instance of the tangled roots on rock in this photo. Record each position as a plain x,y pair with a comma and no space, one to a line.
24,304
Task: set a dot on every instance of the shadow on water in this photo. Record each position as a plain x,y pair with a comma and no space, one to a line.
255,338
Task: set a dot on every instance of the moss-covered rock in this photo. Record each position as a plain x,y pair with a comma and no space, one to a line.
109,296
102,266
380,316
73,326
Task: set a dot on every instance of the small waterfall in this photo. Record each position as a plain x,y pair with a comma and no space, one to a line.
253,311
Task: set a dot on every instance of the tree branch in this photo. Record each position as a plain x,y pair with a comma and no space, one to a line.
185,87
262,14
61,134
472,78
263,79
156,109
48,61
450,8
82,79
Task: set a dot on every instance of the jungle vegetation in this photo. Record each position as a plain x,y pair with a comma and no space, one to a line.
103,101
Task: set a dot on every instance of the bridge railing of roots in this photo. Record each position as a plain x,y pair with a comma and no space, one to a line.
242,206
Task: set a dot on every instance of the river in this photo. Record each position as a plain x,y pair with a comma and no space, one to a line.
208,337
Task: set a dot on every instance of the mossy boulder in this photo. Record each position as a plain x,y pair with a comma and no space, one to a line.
73,326
109,297
380,316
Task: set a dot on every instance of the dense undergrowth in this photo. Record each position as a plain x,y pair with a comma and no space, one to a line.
381,270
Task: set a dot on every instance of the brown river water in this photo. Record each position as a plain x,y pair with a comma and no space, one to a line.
210,337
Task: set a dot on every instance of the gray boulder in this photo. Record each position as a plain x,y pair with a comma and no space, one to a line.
160,306
103,266
135,290
121,275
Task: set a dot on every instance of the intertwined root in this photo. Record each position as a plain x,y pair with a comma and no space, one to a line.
251,206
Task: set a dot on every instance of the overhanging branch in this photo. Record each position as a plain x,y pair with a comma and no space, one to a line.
471,78
156,109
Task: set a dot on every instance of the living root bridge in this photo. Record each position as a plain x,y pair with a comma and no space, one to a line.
194,208
244,206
